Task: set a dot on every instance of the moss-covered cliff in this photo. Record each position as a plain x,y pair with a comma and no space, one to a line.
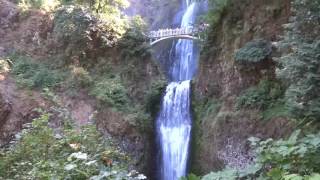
221,125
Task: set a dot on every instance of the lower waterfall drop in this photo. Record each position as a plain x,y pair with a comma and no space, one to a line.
174,123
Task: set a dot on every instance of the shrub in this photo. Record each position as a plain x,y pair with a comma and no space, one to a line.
82,35
34,75
38,4
110,90
71,27
190,177
102,6
277,109
137,117
294,158
299,69
41,153
264,95
207,108
217,8
306,25
253,52
300,72
80,77
133,43
153,97
226,174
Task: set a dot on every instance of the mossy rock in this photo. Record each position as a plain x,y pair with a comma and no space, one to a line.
254,52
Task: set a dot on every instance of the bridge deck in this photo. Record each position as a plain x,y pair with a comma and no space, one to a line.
182,33
173,32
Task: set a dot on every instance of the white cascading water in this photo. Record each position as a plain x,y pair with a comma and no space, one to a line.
174,121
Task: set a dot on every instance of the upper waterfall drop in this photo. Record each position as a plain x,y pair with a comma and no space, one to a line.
185,63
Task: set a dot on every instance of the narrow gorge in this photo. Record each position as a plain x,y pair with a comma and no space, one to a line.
159,89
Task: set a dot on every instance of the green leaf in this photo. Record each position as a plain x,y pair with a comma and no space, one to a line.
293,177
294,136
314,176
275,174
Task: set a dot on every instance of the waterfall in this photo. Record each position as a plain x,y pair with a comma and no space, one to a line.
174,120
184,66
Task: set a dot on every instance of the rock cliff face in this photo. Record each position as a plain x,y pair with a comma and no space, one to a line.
221,130
157,13
31,34
27,31
5,109
17,107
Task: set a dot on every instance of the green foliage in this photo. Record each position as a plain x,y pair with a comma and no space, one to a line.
153,97
72,154
264,95
190,177
212,106
38,4
253,52
300,68
227,174
294,158
83,36
133,43
111,91
306,25
102,6
217,8
34,75
79,78
300,71
277,109
139,118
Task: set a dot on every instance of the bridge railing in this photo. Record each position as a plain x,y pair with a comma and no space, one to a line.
173,32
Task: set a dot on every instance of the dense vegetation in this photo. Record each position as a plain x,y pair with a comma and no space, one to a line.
43,153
